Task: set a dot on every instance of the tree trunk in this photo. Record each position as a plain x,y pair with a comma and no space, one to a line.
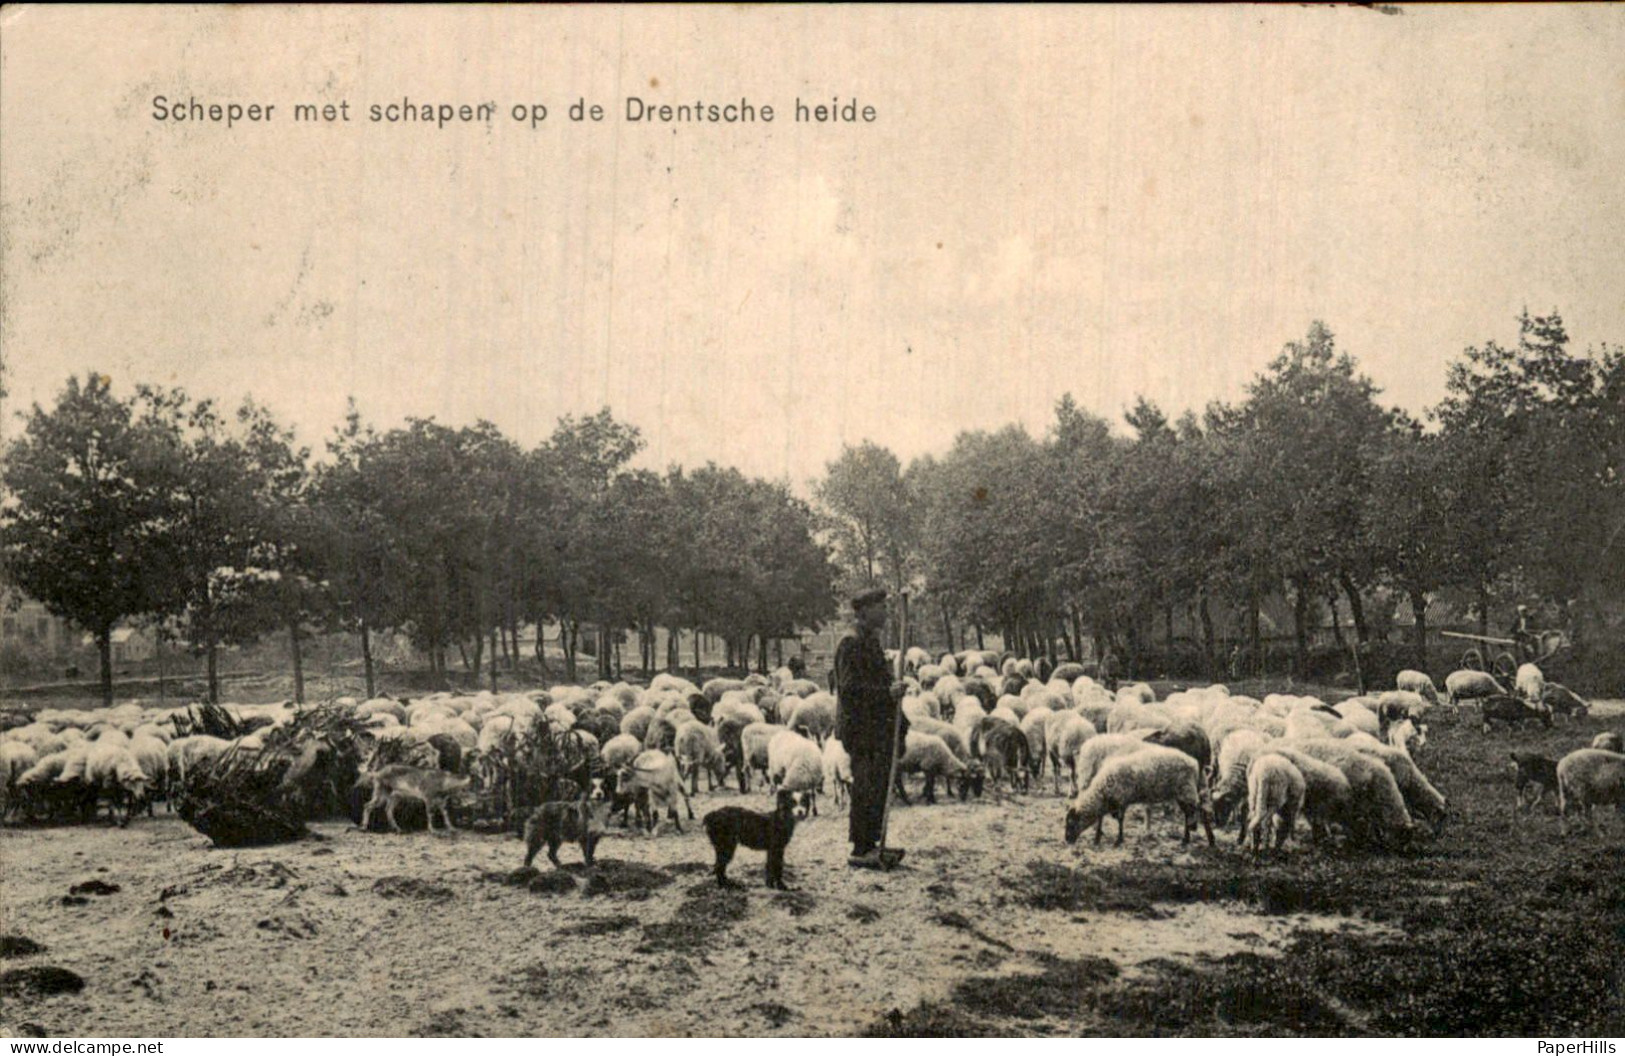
298,659
479,656
1209,645
1300,628
214,674
366,660
980,645
1484,618
1356,608
1419,634
1077,636
104,648
158,642
1337,624
494,632
696,654
761,653
1255,634
1168,628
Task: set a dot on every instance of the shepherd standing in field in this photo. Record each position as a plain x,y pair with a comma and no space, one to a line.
866,722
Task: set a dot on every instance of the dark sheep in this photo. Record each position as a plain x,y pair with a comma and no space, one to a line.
1529,768
1563,701
1503,707
1189,738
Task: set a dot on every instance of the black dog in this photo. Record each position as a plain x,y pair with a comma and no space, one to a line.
732,827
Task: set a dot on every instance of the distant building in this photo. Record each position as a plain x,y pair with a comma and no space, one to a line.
26,624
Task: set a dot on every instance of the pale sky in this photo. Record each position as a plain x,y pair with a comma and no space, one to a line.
1105,201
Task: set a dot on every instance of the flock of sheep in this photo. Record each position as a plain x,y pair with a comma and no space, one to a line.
977,723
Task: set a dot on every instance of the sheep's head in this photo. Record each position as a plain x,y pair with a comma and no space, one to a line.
1078,818
972,780
1221,806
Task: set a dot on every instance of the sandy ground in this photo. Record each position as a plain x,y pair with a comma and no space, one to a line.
353,933
373,934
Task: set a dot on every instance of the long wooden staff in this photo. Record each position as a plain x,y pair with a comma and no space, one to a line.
897,727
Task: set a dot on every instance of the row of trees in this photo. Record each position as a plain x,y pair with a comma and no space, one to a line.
221,529
1309,489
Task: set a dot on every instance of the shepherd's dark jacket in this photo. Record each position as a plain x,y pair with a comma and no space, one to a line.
865,723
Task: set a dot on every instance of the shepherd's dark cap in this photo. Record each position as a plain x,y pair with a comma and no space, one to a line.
868,597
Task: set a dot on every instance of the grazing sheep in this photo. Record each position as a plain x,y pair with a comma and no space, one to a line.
1417,682
1360,717
1275,792
795,765
1067,672
1513,710
716,687
1564,701
956,741
1150,775
1326,792
926,754
1609,741
1236,754
1188,738
113,772
1587,778
1530,769
1421,798
697,747
1407,736
1377,811
837,770
16,759
1398,704
1003,750
1470,685
655,772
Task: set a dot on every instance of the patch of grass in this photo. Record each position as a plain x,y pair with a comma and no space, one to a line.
630,880
1062,989
706,911
410,887
601,926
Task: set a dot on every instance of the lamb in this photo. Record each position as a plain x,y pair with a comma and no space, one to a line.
1275,793
1564,701
796,765
1587,778
926,754
1470,685
1417,682
837,770
1150,775
1532,769
697,748
1512,710
1609,741
655,772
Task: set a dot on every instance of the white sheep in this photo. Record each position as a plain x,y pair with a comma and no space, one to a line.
1150,775
754,740
1067,734
1357,715
956,741
815,716
697,748
619,751
1033,725
1377,808
1417,682
1235,755
1275,791
1470,685
837,770
926,754
1421,798
795,764
1587,778
655,772
1531,684
636,722
113,771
